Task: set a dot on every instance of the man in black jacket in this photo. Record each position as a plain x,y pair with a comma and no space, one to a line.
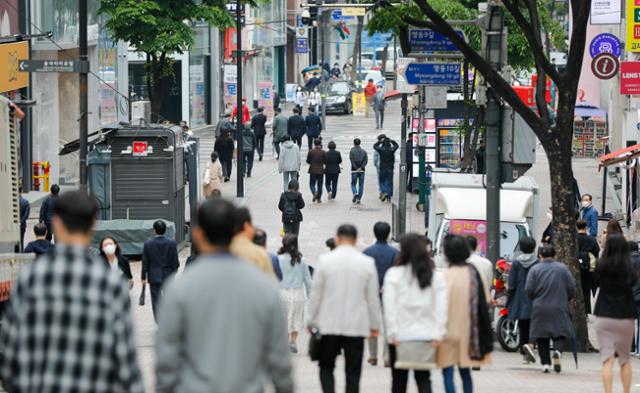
159,261
314,126
46,210
387,150
258,124
588,253
297,127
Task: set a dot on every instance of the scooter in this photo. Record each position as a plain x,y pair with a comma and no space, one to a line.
506,329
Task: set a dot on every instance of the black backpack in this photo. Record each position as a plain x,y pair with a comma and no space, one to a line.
290,212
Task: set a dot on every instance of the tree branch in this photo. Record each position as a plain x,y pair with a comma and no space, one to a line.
531,31
503,88
418,22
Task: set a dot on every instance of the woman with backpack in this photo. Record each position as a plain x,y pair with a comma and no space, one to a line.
295,286
615,309
291,204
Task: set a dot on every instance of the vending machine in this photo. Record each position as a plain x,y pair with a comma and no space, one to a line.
450,142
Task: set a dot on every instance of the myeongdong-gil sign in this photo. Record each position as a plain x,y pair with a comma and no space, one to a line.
630,77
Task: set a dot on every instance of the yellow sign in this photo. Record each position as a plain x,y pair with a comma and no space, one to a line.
354,11
359,104
10,77
633,26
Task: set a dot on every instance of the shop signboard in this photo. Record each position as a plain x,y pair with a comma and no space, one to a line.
633,26
475,228
630,77
10,76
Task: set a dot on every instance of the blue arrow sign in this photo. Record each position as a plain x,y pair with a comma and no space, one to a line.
336,16
435,74
427,40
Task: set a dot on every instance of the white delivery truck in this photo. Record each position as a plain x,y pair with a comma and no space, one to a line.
457,205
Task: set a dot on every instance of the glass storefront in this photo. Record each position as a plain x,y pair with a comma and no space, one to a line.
108,72
198,76
61,18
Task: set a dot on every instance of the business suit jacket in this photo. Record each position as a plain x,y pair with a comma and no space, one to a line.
297,126
159,259
314,125
258,124
344,297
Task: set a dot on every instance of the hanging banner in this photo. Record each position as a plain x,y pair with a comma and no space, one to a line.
265,98
475,228
633,26
605,12
359,104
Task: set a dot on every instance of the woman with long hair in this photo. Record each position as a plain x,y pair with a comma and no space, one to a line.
224,147
415,308
615,309
112,256
469,340
295,286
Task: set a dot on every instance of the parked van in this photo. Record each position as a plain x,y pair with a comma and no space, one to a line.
457,205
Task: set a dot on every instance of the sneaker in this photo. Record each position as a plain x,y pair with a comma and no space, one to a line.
546,368
293,348
260,159
556,360
358,201
355,198
528,353
373,362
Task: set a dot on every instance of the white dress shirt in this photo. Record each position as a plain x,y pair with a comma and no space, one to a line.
344,295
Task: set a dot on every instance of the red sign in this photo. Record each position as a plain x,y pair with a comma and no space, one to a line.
139,148
605,65
630,77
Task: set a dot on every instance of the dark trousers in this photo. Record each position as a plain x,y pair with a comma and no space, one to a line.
523,326
260,145
276,147
156,292
247,157
544,348
465,375
399,378
298,140
331,182
353,348
386,181
586,281
291,227
310,140
49,231
227,167
315,184
22,232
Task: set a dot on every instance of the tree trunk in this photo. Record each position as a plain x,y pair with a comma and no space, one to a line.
356,48
558,149
155,85
385,55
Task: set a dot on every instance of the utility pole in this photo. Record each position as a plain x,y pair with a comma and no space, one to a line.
495,52
323,84
240,181
402,182
84,98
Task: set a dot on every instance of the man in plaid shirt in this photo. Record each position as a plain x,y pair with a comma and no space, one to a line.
68,327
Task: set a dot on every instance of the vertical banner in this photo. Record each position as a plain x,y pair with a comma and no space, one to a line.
359,104
265,98
633,26
230,79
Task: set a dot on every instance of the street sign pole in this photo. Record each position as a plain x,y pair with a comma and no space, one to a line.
402,182
84,98
323,85
422,170
240,180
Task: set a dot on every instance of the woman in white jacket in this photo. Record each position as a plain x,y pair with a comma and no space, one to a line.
415,307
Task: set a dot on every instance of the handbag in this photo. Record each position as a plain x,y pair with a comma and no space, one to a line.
142,295
315,343
415,355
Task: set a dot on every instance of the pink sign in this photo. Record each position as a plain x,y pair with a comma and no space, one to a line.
477,229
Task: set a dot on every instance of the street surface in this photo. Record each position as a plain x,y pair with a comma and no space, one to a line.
263,189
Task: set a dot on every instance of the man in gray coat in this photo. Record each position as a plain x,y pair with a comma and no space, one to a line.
280,129
289,161
379,105
221,327
550,286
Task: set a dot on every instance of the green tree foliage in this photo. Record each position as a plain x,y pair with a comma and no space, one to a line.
159,29
520,54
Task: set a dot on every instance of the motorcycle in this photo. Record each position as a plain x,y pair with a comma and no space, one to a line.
507,330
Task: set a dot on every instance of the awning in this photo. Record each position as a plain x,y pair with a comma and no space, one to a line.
618,156
587,109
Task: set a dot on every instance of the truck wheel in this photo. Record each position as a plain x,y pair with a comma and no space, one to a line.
508,336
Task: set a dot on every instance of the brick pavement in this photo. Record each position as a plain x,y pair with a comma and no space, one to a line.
506,374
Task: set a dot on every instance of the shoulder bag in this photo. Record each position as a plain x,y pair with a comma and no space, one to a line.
415,355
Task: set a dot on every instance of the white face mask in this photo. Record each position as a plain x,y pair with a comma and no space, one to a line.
586,203
549,215
109,249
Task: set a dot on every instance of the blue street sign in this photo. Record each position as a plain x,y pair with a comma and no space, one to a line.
605,43
427,40
302,45
434,74
336,16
